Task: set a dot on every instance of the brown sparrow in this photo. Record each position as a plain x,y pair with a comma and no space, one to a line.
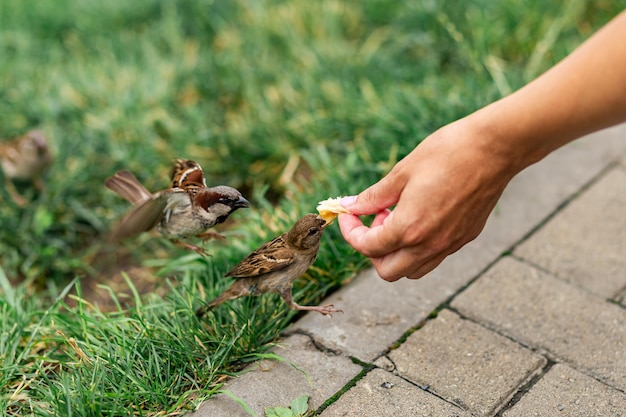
25,159
187,209
274,266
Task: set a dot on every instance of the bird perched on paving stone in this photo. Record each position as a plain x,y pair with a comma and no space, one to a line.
274,266
25,159
188,208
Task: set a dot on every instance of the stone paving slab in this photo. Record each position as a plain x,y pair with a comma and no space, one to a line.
465,364
565,391
586,243
381,393
306,370
545,313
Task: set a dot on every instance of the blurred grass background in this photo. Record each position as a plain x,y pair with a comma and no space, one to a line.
289,101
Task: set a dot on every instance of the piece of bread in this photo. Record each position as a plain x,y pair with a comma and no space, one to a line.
331,208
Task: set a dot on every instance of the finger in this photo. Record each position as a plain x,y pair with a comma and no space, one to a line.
352,226
380,218
404,263
376,198
375,241
426,267
347,222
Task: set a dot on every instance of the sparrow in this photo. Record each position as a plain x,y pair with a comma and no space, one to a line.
25,159
274,266
188,208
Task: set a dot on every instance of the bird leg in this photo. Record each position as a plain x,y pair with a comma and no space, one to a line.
326,310
15,195
199,250
39,185
239,288
209,234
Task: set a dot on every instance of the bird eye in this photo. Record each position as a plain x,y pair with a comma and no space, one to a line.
313,231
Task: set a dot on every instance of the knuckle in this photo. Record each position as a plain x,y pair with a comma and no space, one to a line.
411,234
439,244
388,269
387,275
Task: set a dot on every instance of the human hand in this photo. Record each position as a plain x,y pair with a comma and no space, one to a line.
443,193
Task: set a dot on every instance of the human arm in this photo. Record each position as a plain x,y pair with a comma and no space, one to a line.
445,189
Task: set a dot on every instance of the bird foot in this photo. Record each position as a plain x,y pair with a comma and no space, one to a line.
15,195
325,310
19,200
199,250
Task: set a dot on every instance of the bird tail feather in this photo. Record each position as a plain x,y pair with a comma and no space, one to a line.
236,290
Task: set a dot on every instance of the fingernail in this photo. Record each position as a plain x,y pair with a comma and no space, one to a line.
348,201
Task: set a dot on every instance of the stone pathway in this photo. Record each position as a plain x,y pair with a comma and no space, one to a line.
527,320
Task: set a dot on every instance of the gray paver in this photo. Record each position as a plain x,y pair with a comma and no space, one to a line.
586,243
465,363
381,394
278,383
565,391
541,311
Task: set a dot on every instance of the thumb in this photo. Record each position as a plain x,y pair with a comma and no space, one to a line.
376,198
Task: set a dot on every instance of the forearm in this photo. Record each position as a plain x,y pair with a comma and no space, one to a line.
583,93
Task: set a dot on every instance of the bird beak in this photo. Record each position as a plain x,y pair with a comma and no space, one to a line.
326,224
241,203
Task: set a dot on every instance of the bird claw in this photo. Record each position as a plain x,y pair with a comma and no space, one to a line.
328,309
201,251
325,310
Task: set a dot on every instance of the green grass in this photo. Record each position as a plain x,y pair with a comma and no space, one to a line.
290,101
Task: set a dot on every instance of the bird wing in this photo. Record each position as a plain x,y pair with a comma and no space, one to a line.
271,257
143,217
128,186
